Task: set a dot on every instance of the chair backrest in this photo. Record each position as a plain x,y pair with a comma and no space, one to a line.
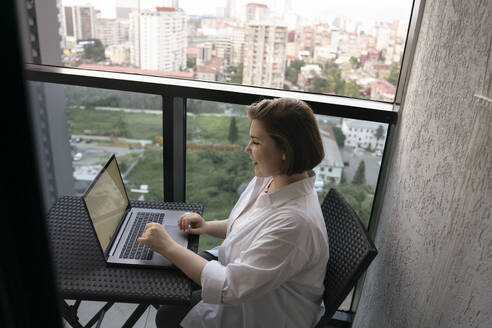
351,250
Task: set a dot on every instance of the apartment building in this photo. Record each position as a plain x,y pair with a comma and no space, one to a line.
159,39
363,134
78,23
265,54
112,31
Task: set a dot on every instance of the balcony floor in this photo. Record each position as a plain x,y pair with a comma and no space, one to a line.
117,315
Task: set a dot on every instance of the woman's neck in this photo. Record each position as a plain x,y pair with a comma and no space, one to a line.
280,181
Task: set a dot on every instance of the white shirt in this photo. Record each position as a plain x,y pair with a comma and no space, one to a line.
271,266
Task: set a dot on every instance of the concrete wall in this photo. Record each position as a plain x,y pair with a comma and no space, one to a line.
434,268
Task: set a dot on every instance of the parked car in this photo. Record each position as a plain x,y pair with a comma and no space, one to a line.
77,157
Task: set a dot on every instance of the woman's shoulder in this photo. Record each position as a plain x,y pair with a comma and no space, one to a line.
299,218
289,216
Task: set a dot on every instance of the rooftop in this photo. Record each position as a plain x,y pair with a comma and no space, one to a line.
384,86
211,66
332,153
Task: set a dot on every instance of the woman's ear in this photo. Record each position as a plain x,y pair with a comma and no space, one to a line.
283,157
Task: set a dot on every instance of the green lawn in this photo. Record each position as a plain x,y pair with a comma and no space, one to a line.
215,129
126,125
200,129
148,171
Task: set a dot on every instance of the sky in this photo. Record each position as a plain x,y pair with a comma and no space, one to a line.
355,9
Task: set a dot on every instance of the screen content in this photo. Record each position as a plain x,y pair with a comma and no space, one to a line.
106,202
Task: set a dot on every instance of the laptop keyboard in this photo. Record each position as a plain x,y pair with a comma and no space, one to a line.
133,249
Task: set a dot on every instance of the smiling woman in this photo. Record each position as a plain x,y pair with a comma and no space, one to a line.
274,240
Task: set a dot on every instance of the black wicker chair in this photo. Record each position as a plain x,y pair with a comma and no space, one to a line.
351,252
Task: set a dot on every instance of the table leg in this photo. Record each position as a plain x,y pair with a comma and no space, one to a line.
135,315
99,315
69,313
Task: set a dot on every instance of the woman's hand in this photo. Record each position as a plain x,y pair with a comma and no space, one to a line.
157,238
192,223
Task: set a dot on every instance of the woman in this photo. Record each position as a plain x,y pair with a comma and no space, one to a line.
272,263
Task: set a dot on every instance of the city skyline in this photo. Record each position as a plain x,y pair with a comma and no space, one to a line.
316,10
345,57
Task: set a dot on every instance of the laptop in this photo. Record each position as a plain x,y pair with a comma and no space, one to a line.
118,225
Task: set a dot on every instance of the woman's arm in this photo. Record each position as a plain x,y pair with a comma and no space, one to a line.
157,238
187,261
193,223
217,228
278,253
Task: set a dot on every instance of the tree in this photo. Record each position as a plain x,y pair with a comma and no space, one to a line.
360,174
365,210
379,133
354,61
351,89
319,85
297,64
191,62
333,75
236,73
292,71
394,74
291,74
233,131
339,136
94,50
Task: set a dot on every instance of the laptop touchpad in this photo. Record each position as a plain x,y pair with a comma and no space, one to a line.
177,234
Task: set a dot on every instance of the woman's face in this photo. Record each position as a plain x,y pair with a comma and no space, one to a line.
263,151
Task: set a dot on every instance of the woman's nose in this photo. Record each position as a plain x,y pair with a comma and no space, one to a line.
247,149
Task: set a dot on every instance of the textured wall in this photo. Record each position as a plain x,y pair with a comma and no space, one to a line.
434,267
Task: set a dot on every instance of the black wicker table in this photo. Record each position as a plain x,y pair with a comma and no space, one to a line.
82,274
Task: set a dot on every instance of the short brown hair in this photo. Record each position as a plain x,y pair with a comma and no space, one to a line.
291,123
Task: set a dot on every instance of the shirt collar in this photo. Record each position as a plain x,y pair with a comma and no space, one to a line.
287,193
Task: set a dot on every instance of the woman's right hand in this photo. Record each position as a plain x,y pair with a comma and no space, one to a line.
192,223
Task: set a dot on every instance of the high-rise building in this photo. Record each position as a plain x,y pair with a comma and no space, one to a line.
256,12
170,3
265,54
293,20
399,28
334,40
307,39
237,56
223,48
229,9
383,34
204,53
159,39
111,31
79,23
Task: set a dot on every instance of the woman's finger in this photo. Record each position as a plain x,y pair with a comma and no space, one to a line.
182,224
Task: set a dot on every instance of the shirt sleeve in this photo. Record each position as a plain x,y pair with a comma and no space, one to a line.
271,260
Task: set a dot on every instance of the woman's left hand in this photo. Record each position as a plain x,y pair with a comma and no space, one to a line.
157,238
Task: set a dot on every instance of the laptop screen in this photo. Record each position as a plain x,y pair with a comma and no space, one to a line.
106,201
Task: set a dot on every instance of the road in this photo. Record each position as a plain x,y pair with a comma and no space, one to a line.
93,158
371,162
